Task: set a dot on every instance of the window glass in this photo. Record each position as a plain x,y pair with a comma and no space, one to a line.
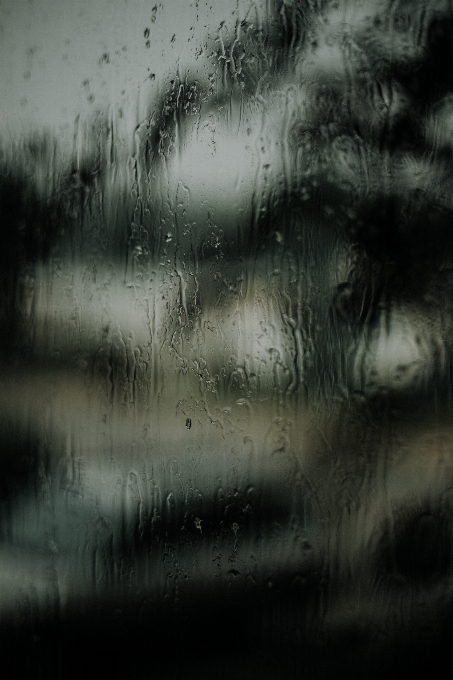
226,337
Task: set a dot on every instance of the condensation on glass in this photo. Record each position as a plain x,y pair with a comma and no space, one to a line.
226,338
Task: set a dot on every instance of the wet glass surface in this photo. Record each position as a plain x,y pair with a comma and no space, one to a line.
226,336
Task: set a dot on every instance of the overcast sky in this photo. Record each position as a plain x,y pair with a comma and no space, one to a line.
64,58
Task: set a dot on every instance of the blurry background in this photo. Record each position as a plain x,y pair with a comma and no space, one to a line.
67,60
225,334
